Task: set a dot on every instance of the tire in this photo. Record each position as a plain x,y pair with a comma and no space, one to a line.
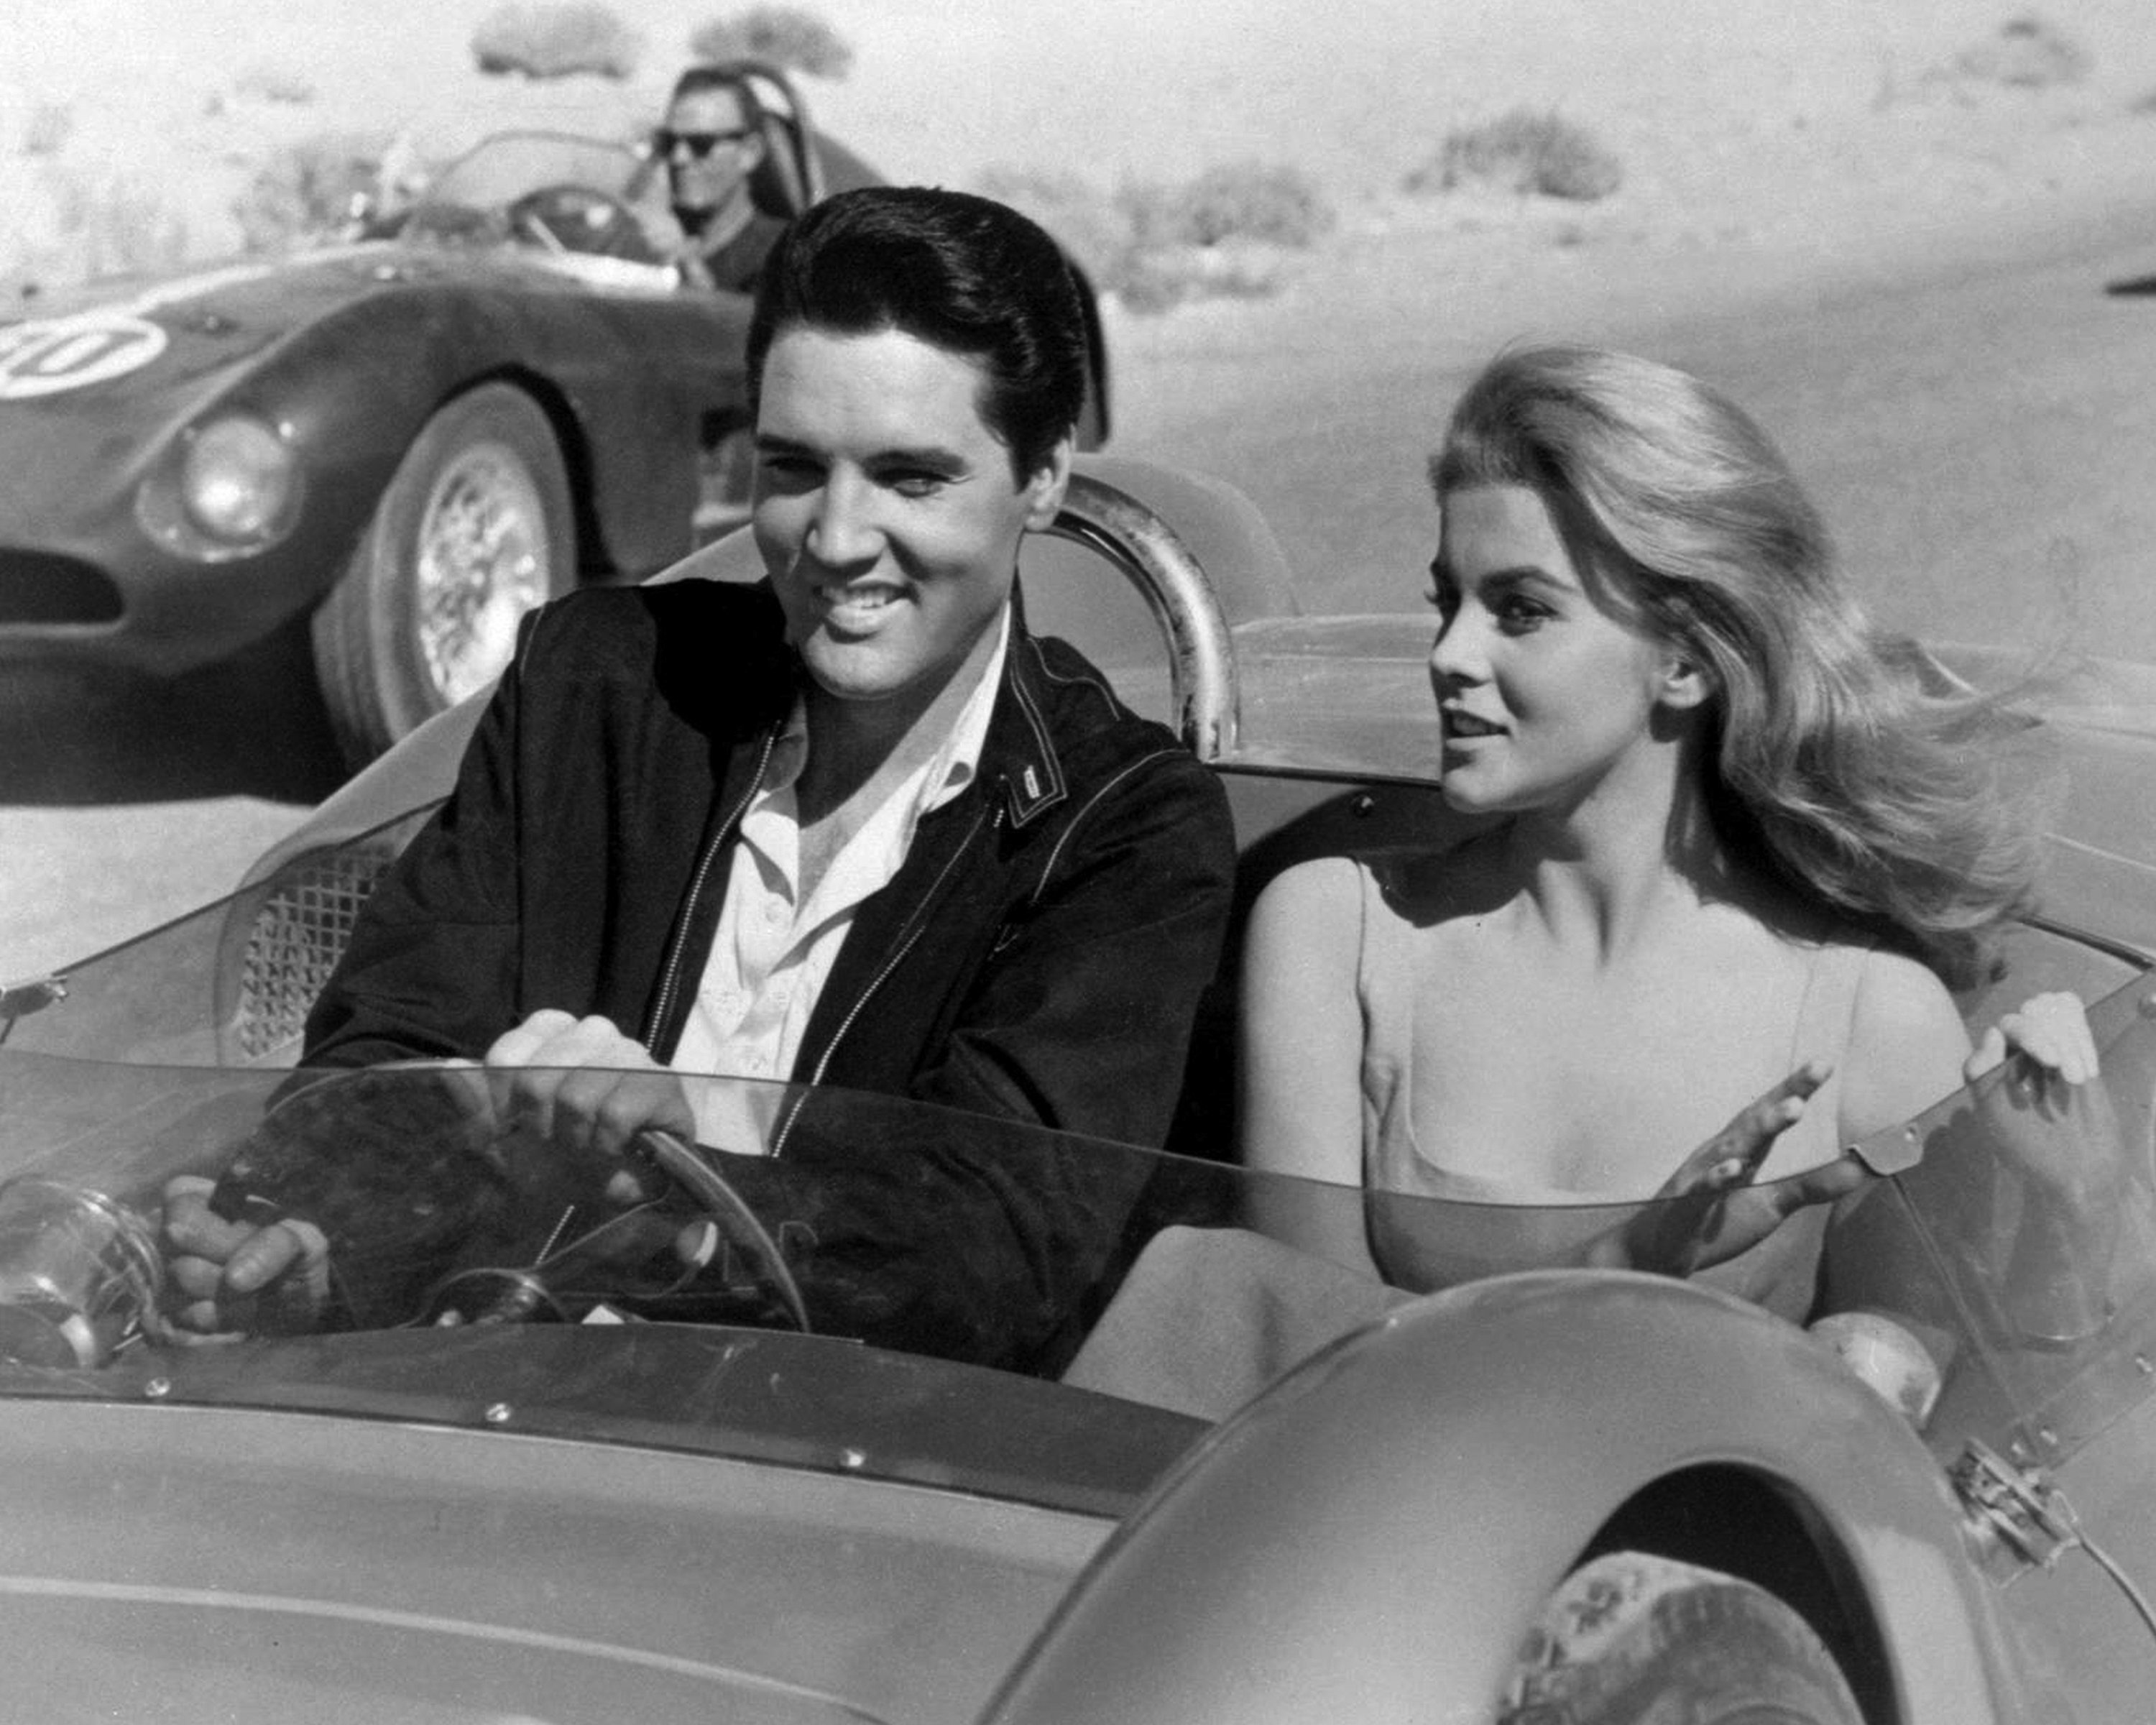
473,531
1634,1639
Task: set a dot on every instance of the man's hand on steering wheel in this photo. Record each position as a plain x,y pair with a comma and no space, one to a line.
238,1278
585,1086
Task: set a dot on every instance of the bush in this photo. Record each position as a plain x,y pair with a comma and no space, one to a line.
1526,152
274,84
2028,53
115,227
1158,280
789,36
306,191
47,129
1155,245
1242,201
556,41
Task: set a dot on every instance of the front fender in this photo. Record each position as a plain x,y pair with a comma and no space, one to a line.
1370,1538
629,380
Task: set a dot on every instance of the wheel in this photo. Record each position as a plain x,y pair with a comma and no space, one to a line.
473,531
1636,1640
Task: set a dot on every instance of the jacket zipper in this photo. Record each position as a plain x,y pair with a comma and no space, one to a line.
883,975
673,972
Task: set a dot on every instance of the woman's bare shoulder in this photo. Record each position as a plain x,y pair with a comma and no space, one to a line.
1319,885
1899,997
1417,883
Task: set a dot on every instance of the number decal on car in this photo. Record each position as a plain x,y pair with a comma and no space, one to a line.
46,357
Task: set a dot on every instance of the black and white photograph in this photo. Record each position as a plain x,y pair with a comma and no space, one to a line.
967,864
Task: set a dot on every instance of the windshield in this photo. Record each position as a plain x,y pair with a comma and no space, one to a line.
475,1264
504,168
480,197
2019,1247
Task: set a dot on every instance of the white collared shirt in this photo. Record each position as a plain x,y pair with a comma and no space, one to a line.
771,953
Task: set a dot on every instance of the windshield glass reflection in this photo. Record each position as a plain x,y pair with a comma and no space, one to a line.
512,165
915,1227
2019,1258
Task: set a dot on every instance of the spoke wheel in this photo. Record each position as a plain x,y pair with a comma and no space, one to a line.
1631,1638
473,531
484,560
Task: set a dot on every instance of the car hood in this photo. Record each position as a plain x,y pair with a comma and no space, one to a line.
177,1563
201,324
155,1654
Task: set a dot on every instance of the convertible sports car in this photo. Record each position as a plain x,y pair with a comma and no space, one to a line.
484,1472
406,441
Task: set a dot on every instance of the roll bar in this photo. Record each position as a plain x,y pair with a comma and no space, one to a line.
1116,525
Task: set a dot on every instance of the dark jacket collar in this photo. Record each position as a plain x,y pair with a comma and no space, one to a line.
1019,756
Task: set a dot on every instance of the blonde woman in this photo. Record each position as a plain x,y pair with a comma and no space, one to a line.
1740,852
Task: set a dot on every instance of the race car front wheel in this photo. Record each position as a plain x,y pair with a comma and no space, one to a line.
473,531
1633,1639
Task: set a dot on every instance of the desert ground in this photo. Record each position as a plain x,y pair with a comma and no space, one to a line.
1778,161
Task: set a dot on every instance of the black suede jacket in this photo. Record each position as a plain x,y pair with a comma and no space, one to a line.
1040,955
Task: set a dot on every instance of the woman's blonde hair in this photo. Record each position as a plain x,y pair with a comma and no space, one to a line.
1895,798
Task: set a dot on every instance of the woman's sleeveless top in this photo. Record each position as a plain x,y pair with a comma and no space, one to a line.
1425,1247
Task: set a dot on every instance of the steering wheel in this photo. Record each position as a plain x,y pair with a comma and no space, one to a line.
566,219
493,1294
434,1210
738,1222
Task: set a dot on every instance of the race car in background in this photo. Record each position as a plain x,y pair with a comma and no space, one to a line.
403,442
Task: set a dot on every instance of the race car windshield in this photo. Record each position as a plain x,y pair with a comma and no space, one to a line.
497,172
512,166
659,1294
451,1222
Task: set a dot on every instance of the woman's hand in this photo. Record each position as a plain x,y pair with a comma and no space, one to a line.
2048,1119
1708,1211
2049,1034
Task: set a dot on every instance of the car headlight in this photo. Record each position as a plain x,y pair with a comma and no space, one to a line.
237,480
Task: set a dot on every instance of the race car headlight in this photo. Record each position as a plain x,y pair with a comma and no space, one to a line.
237,480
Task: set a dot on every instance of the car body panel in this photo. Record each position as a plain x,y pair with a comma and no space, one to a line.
411,1571
2078,1642
818,1403
1387,1518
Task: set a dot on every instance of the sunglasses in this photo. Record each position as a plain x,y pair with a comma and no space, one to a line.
699,144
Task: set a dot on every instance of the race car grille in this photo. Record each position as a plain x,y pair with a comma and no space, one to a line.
297,932
39,587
